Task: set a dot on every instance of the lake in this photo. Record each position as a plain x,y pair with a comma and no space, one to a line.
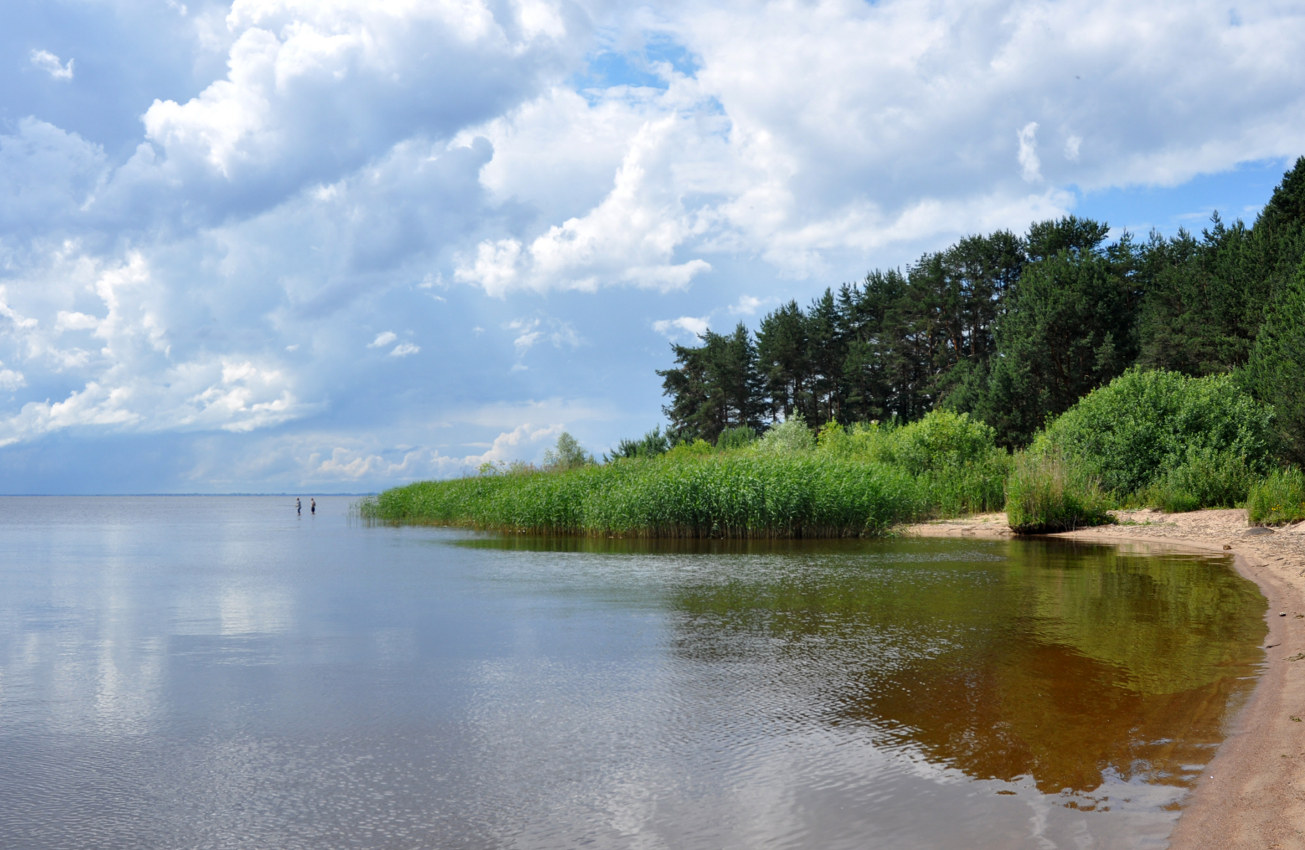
219,672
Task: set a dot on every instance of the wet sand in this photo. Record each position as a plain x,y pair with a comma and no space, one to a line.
1253,793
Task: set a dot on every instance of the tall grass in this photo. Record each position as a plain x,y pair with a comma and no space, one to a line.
732,495
1278,498
853,482
1048,493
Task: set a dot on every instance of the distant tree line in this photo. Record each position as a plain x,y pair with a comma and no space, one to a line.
1014,329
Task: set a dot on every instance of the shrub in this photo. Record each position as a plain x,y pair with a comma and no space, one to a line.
567,454
943,439
867,440
652,444
1047,493
1205,479
1200,440
788,437
735,438
695,448
1278,498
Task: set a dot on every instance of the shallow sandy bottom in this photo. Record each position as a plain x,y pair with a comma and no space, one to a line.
1253,795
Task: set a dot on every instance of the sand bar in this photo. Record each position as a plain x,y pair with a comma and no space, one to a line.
1253,792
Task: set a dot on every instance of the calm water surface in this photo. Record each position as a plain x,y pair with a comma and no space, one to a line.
197,672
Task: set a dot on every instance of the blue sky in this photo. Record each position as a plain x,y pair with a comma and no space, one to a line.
321,246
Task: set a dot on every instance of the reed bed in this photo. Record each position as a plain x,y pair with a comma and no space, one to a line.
1047,493
731,496
848,483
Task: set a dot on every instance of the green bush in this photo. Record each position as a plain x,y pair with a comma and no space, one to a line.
735,438
1205,479
943,439
1278,498
1047,493
788,437
1195,442
567,454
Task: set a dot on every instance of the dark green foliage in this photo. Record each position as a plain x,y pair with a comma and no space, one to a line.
1070,235
1206,478
736,438
1067,330
1011,330
1201,307
1275,372
714,387
1277,499
652,444
1199,440
1278,244
784,361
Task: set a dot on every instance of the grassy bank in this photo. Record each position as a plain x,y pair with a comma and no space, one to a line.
1156,438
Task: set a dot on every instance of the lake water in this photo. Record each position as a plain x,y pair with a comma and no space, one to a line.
205,672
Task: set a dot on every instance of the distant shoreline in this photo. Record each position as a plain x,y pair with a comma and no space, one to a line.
1249,795
290,494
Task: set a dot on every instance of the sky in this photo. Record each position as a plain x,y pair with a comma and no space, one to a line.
334,246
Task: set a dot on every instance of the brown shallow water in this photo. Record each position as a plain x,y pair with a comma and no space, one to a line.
222,673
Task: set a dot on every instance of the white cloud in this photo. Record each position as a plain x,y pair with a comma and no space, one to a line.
11,380
530,332
322,167
51,64
48,177
1030,166
629,237
495,267
1072,146
677,328
314,91
346,464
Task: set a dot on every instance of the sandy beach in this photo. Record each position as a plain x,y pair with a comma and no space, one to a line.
1253,793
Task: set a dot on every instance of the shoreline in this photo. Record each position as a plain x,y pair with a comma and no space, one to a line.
1252,793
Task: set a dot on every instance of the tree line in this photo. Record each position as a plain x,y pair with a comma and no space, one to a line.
1014,329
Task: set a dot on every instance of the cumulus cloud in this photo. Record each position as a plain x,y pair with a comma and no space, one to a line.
313,91
629,238
685,325
51,64
48,177
439,169
792,141
747,305
11,380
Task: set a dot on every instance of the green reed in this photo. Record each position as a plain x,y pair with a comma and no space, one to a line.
1278,498
855,482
